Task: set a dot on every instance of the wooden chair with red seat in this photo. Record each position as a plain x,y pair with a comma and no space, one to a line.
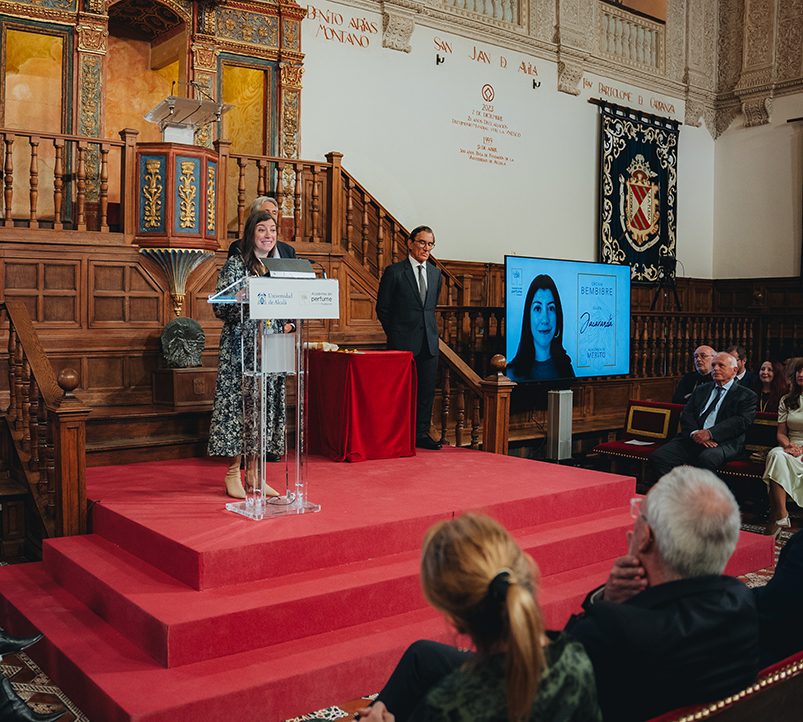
648,426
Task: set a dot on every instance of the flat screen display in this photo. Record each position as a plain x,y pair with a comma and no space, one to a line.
566,319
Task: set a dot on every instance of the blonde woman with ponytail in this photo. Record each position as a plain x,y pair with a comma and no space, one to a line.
476,575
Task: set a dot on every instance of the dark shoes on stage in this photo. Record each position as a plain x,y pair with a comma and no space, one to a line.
427,442
12,645
12,708
269,456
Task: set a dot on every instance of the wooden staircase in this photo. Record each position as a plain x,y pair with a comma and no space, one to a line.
128,434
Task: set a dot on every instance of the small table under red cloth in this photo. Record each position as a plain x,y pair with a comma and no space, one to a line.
361,405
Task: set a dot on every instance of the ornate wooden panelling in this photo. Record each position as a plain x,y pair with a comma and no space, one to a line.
48,288
772,294
123,294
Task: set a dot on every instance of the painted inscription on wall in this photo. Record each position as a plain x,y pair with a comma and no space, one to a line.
486,56
340,28
629,97
492,140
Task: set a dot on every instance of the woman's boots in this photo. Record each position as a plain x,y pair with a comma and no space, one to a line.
252,470
234,483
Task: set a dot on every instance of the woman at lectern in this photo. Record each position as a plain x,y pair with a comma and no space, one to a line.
541,354
479,578
229,435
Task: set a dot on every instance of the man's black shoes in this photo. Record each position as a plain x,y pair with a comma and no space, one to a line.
12,645
427,442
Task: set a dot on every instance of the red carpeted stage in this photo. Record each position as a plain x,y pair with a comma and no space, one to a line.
176,609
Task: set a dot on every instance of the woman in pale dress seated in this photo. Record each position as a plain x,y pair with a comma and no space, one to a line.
784,471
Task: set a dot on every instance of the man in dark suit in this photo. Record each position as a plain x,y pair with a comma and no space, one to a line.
701,375
265,203
405,305
713,424
668,629
743,376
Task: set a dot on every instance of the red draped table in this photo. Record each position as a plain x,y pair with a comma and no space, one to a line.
361,405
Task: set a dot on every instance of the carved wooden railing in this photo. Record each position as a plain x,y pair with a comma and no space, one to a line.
662,344
474,333
477,405
47,423
322,203
79,176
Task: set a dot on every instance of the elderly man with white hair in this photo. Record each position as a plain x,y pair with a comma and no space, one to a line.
713,424
668,629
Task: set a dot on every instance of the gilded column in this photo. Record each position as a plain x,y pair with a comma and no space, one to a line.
204,74
91,33
289,94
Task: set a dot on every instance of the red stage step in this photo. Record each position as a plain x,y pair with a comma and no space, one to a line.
176,609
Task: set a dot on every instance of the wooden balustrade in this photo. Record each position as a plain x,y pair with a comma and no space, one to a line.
47,424
664,342
75,180
475,333
322,203
480,404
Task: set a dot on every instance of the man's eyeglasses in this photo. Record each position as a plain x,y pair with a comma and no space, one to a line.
635,508
425,244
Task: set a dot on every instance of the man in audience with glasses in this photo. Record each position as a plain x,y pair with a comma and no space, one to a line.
668,629
405,305
701,375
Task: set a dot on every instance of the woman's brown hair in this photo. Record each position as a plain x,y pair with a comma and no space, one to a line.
473,571
247,247
792,399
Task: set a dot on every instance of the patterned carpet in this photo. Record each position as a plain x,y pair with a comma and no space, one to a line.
36,688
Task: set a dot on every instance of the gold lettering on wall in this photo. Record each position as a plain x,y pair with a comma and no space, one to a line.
210,200
152,190
187,192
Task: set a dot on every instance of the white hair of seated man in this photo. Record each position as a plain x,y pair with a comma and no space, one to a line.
695,520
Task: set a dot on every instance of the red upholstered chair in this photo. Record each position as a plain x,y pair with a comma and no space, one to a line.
776,697
761,437
648,425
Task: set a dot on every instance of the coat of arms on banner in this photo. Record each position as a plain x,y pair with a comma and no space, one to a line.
638,193
638,204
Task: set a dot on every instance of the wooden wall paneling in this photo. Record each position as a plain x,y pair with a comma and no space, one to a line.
201,285
124,293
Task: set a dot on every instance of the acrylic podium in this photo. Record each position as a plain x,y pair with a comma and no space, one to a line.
292,293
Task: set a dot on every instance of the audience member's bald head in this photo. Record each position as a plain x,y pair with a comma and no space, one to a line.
702,359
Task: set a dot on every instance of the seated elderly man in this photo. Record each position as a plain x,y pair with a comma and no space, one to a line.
665,631
713,424
668,629
701,375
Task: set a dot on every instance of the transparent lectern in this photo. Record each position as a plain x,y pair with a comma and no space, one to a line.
291,293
